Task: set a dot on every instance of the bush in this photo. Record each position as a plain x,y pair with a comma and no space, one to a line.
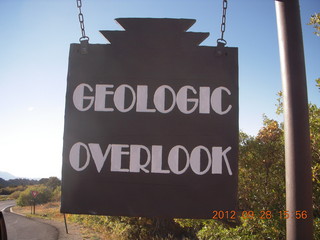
127,228
51,182
10,190
56,195
316,229
15,195
26,198
248,229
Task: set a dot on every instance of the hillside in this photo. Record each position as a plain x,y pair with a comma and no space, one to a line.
17,182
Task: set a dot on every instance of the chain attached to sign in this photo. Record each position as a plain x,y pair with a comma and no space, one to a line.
84,40
221,40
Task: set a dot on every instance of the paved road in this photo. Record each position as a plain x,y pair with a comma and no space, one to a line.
5,204
22,228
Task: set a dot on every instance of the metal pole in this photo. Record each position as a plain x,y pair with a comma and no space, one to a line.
65,223
296,120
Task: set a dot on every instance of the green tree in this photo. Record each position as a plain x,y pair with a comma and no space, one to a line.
315,22
261,189
56,194
53,182
261,169
26,198
314,121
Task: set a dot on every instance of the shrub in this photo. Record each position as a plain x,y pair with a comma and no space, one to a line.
56,195
26,198
15,195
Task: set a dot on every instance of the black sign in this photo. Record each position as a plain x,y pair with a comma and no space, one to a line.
151,124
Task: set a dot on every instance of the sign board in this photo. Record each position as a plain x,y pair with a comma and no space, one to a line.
34,194
151,124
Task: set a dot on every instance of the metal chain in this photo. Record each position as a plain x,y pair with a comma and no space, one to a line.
81,20
223,22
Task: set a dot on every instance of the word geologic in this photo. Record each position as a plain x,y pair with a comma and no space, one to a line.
107,98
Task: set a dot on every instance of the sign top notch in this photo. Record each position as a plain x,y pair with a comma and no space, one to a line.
167,31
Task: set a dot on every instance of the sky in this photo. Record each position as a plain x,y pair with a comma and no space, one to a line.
35,40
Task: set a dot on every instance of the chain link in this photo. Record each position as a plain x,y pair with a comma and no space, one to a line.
223,22
81,21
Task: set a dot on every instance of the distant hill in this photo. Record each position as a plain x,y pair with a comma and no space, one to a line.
8,180
6,175
17,182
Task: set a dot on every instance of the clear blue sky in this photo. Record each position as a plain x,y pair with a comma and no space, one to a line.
35,39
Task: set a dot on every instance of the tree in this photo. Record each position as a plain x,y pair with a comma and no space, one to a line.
26,198
315,21
261,169
314,121
51,182
261,189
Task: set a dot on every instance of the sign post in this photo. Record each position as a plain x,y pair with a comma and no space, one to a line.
296,120
34,195
151,124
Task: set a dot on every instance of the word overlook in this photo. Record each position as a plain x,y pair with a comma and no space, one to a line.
149,159
179,158
124,98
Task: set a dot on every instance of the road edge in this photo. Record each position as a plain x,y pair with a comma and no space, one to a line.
74,232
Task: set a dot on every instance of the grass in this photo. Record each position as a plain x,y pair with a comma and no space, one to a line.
45,211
